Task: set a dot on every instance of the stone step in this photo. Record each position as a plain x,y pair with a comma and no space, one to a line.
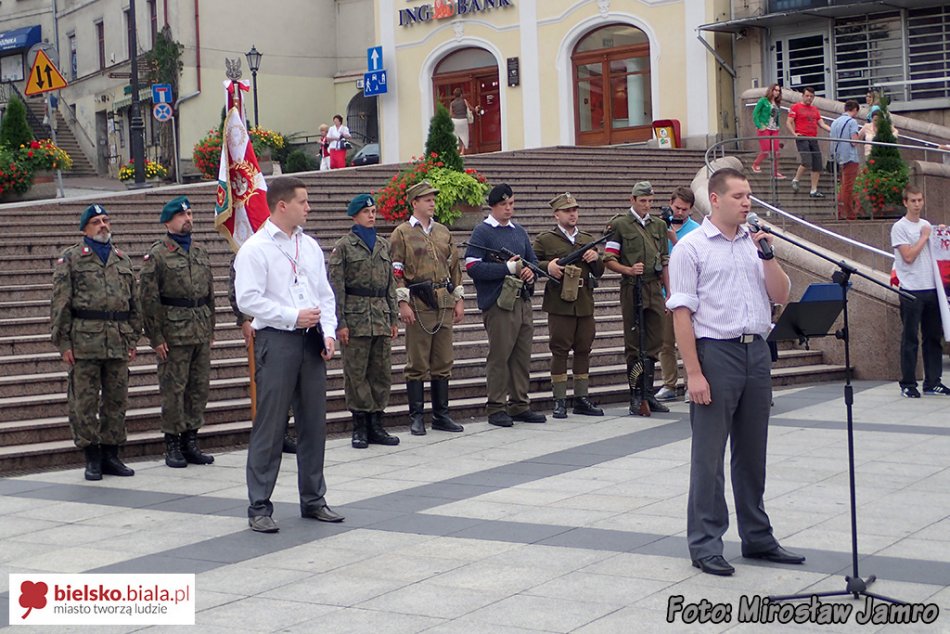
35,455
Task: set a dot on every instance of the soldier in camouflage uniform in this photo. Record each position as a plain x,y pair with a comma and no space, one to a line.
570,310
361,274
96,322
178,311
639,248
431,299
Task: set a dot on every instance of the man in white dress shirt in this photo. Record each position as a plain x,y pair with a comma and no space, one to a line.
281,281
721,284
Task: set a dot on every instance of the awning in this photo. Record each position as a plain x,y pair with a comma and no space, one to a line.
21,38
840,9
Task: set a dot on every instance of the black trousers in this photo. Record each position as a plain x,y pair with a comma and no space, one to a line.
922,316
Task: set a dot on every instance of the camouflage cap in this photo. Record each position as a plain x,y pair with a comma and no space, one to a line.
90,212
643,188
174,206
422,188
563,201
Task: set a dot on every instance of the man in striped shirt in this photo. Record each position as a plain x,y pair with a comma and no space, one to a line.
721,286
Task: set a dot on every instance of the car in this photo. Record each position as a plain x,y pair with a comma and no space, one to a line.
368,155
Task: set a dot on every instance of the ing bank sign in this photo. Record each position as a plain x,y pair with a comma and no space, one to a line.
441,9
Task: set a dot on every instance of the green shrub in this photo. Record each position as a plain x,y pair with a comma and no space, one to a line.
300,161
14,178
14,129
442,140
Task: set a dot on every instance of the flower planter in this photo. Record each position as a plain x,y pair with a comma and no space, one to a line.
471,216
44,186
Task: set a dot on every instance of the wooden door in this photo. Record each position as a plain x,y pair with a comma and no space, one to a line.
481,89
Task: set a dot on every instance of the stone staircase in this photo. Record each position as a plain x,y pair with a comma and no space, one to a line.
34,432
64,138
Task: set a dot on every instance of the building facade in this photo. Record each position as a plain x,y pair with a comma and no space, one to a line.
551,72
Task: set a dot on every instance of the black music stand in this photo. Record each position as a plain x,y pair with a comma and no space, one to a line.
804,320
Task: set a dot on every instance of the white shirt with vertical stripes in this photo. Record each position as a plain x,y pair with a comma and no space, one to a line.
721,282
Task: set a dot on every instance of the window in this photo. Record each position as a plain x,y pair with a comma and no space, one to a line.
101,37
153,21
928,53
130,36
868,52
73,59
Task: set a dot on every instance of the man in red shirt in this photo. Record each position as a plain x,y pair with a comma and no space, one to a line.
803,121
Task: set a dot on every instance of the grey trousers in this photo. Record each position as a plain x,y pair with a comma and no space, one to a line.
741,386
508,365
287,372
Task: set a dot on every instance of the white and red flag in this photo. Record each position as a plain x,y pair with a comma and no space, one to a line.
241,205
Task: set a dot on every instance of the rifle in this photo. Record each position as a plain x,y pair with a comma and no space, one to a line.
504,254
641,333
577,254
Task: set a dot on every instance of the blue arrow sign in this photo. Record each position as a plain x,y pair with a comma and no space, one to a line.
374,84
374,58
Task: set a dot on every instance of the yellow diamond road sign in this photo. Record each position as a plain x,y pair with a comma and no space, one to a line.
44,76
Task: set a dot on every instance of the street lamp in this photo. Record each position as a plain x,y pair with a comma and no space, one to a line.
254,64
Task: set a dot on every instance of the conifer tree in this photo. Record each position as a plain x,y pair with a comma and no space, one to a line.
442,139
14,129
885,159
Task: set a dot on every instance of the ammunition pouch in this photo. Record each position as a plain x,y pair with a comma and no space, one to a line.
571,282
511,291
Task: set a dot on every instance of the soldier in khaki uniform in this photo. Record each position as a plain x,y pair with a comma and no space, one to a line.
431,299
178,308
96,322
569,305
361,274
639,248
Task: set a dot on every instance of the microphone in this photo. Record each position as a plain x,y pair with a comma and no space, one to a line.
752,219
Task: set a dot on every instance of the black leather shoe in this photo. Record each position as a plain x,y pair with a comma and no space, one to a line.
290,444
714,565
528,416
322,514
500,419
584,407
777,555
656,406
560,408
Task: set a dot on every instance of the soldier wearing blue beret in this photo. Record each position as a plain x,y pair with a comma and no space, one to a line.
178,308
96,323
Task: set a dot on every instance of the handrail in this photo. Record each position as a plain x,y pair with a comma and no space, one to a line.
715,147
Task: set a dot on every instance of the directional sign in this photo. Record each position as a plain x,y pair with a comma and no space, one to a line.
43,76
374,84
162,112
374,58
161,93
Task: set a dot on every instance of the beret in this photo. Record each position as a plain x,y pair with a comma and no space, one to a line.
89,213
499,193
358,204
174,206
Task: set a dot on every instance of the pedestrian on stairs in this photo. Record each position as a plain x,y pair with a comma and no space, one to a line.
431,300
569,305
177,289
361,274
803,121
95,318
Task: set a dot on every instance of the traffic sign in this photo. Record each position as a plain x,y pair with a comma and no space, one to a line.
161,93
44,76
162,112
374,84
374,58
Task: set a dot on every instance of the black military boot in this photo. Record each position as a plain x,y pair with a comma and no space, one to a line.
560,408
111,464
655,405
93,462
416,395
584,407
636,397
376,433
189,448
359,440
173,456
440,407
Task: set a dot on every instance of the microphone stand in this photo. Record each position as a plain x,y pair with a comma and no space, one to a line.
855,585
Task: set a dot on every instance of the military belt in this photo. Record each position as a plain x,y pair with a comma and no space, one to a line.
366,292
104,315
181,302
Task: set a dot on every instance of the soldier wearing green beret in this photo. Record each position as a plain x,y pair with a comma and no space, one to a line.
569,305
431,300
178,308
361,273
96,323
640,248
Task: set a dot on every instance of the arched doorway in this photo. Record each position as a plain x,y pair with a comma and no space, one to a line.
362,120
475,71
612,94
